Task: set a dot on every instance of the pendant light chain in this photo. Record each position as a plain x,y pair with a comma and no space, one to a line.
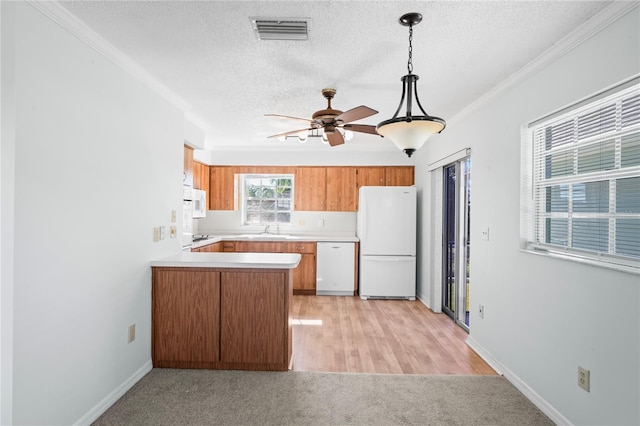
410,61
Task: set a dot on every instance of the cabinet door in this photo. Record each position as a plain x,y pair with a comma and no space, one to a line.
370,176
310,188
342,189
187,177
222,188
253,317
201,176
399,176
304,276
186,309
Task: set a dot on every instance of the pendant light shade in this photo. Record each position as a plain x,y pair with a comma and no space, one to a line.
410,132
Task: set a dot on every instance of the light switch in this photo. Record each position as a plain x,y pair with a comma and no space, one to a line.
485,234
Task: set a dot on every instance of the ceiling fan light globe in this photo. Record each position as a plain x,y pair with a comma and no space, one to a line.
348,135
303,136
410,135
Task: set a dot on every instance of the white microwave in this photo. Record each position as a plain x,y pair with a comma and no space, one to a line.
199,203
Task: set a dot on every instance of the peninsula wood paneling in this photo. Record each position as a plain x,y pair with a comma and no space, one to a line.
254,321
185,315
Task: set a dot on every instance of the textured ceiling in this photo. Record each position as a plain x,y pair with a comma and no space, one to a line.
207,53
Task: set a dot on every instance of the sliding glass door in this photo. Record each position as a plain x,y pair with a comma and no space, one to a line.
456,242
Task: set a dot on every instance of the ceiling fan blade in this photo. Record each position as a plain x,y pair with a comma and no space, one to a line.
356,113
292,132
362,128
335,138
306,120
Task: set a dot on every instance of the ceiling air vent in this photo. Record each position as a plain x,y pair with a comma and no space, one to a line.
281,28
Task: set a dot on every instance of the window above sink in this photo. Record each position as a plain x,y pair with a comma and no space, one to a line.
267,199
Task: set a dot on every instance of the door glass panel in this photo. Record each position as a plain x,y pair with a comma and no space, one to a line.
456,231
449,223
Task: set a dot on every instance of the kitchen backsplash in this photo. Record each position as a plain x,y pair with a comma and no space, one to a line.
314,222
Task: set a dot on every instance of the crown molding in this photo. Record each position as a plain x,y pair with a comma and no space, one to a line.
61,16
593,26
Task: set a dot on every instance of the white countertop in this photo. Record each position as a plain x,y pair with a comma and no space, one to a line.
187,259
277,237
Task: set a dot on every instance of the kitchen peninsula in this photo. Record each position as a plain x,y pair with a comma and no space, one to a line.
223,310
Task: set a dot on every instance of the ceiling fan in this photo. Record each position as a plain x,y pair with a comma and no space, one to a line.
332,120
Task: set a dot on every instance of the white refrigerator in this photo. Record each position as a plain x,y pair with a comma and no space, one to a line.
386,228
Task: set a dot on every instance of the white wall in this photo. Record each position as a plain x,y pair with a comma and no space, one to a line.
544,317
98,164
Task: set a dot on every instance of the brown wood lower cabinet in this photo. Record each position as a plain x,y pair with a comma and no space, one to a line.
218,318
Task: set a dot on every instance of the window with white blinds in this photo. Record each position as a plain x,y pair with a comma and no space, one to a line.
585,180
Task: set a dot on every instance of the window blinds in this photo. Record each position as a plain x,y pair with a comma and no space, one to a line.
586,177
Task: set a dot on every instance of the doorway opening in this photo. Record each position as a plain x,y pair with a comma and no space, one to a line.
456,215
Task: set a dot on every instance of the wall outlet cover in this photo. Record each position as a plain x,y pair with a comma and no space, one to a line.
584,378
132,333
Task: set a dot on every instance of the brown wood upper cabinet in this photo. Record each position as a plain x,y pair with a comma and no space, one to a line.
399,176
342,193
310,191
222,187
385,176
187,177
317,188
201,176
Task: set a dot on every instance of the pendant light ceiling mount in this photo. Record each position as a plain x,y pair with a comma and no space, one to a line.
410,19
410,132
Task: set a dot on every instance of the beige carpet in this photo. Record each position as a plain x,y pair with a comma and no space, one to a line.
206,397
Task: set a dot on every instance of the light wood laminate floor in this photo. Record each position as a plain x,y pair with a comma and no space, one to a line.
347,334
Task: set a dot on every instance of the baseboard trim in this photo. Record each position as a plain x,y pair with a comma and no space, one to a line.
99,409
529,393
426,302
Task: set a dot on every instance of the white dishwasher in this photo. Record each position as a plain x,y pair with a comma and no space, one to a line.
335,269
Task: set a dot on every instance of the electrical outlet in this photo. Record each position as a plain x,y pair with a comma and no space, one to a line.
162,232
321,223
485,234
173,216
173,231
481,311
132,333
156,234
584,378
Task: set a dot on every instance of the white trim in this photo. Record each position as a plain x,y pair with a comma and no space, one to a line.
451,158
100,408
436,240
593,26
544,406
61,16
574,256
424,300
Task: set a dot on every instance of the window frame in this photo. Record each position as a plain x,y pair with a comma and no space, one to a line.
245,199
535,179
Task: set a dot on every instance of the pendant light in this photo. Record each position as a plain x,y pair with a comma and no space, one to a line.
410,132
